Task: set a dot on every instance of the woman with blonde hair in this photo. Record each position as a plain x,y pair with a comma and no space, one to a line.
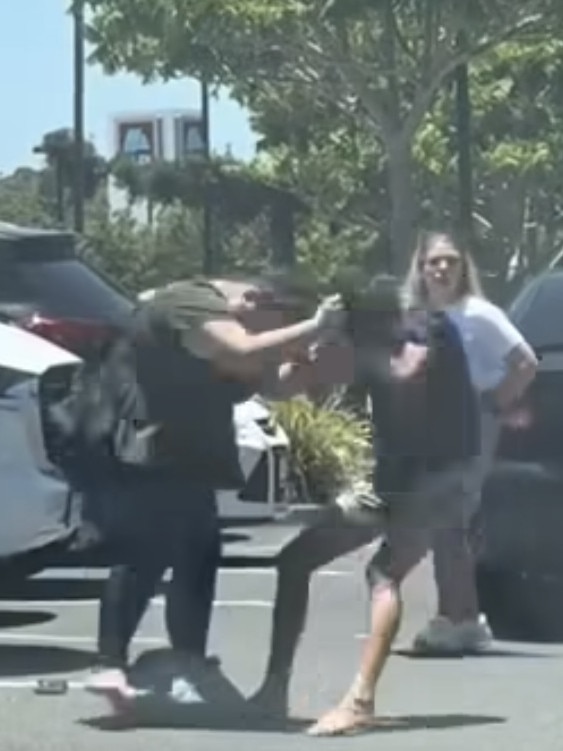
502,365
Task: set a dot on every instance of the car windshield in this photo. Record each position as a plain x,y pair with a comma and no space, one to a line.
68,288
46,274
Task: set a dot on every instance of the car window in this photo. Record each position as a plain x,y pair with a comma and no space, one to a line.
63,288
538,311
10,378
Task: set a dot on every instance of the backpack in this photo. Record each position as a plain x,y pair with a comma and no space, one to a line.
101,422
145,403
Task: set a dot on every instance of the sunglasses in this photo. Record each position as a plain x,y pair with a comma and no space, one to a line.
449,260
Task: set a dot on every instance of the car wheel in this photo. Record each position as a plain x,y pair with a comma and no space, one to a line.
520,520
522,606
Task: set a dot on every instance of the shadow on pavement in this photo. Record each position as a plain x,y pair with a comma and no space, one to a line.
22,659
18,618
83,588
432,722
489,653
53,589
192,719
105,555
210,719
205,698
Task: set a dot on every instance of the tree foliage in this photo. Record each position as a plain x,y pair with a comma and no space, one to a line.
22,200
140,256
353,103
37,196
239,192
517,119
379,63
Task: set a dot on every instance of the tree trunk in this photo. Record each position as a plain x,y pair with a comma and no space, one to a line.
282,232
403,210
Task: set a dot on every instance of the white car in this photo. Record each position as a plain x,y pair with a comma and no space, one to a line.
38,509
263,449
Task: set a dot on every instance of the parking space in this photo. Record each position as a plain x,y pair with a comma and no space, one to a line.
510,697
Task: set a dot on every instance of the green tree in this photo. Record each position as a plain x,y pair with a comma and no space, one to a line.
380,62
58,148
241,196
22,201
39,196
517,139
519,87
139,256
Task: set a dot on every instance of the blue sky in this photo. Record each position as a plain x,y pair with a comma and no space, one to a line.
36,86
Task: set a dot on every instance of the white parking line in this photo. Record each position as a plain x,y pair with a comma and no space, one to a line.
272,572
30,684
235,603
32,604
10,636
91,574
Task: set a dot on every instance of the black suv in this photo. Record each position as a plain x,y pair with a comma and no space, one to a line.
521,571
47,288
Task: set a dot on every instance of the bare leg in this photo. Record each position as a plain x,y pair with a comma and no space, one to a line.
403,551
314,548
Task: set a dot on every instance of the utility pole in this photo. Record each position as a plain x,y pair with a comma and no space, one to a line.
208,240
78,161
464,161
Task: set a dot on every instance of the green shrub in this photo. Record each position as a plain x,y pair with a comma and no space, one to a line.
330,448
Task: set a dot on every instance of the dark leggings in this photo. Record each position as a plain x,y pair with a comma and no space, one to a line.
171,525
406,534
314,548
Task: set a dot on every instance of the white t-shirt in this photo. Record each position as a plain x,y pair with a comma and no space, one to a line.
488,337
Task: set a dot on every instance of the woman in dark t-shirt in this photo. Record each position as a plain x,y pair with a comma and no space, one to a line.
426,441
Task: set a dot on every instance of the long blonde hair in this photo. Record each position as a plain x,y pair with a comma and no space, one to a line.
414,288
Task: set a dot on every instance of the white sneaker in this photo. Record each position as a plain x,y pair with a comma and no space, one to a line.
442,637
475,636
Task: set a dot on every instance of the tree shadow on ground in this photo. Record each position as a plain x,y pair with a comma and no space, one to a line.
20,618
23,660
49,590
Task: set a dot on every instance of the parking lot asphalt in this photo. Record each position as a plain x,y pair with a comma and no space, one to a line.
47,626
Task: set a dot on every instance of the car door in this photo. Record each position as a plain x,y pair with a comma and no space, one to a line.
538,314
34,498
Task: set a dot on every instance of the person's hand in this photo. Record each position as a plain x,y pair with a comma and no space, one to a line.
330,315
410,363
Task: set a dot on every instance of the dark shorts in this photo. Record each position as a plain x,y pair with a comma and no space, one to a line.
405,523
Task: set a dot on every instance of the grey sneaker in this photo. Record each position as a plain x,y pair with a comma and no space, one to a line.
442,637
